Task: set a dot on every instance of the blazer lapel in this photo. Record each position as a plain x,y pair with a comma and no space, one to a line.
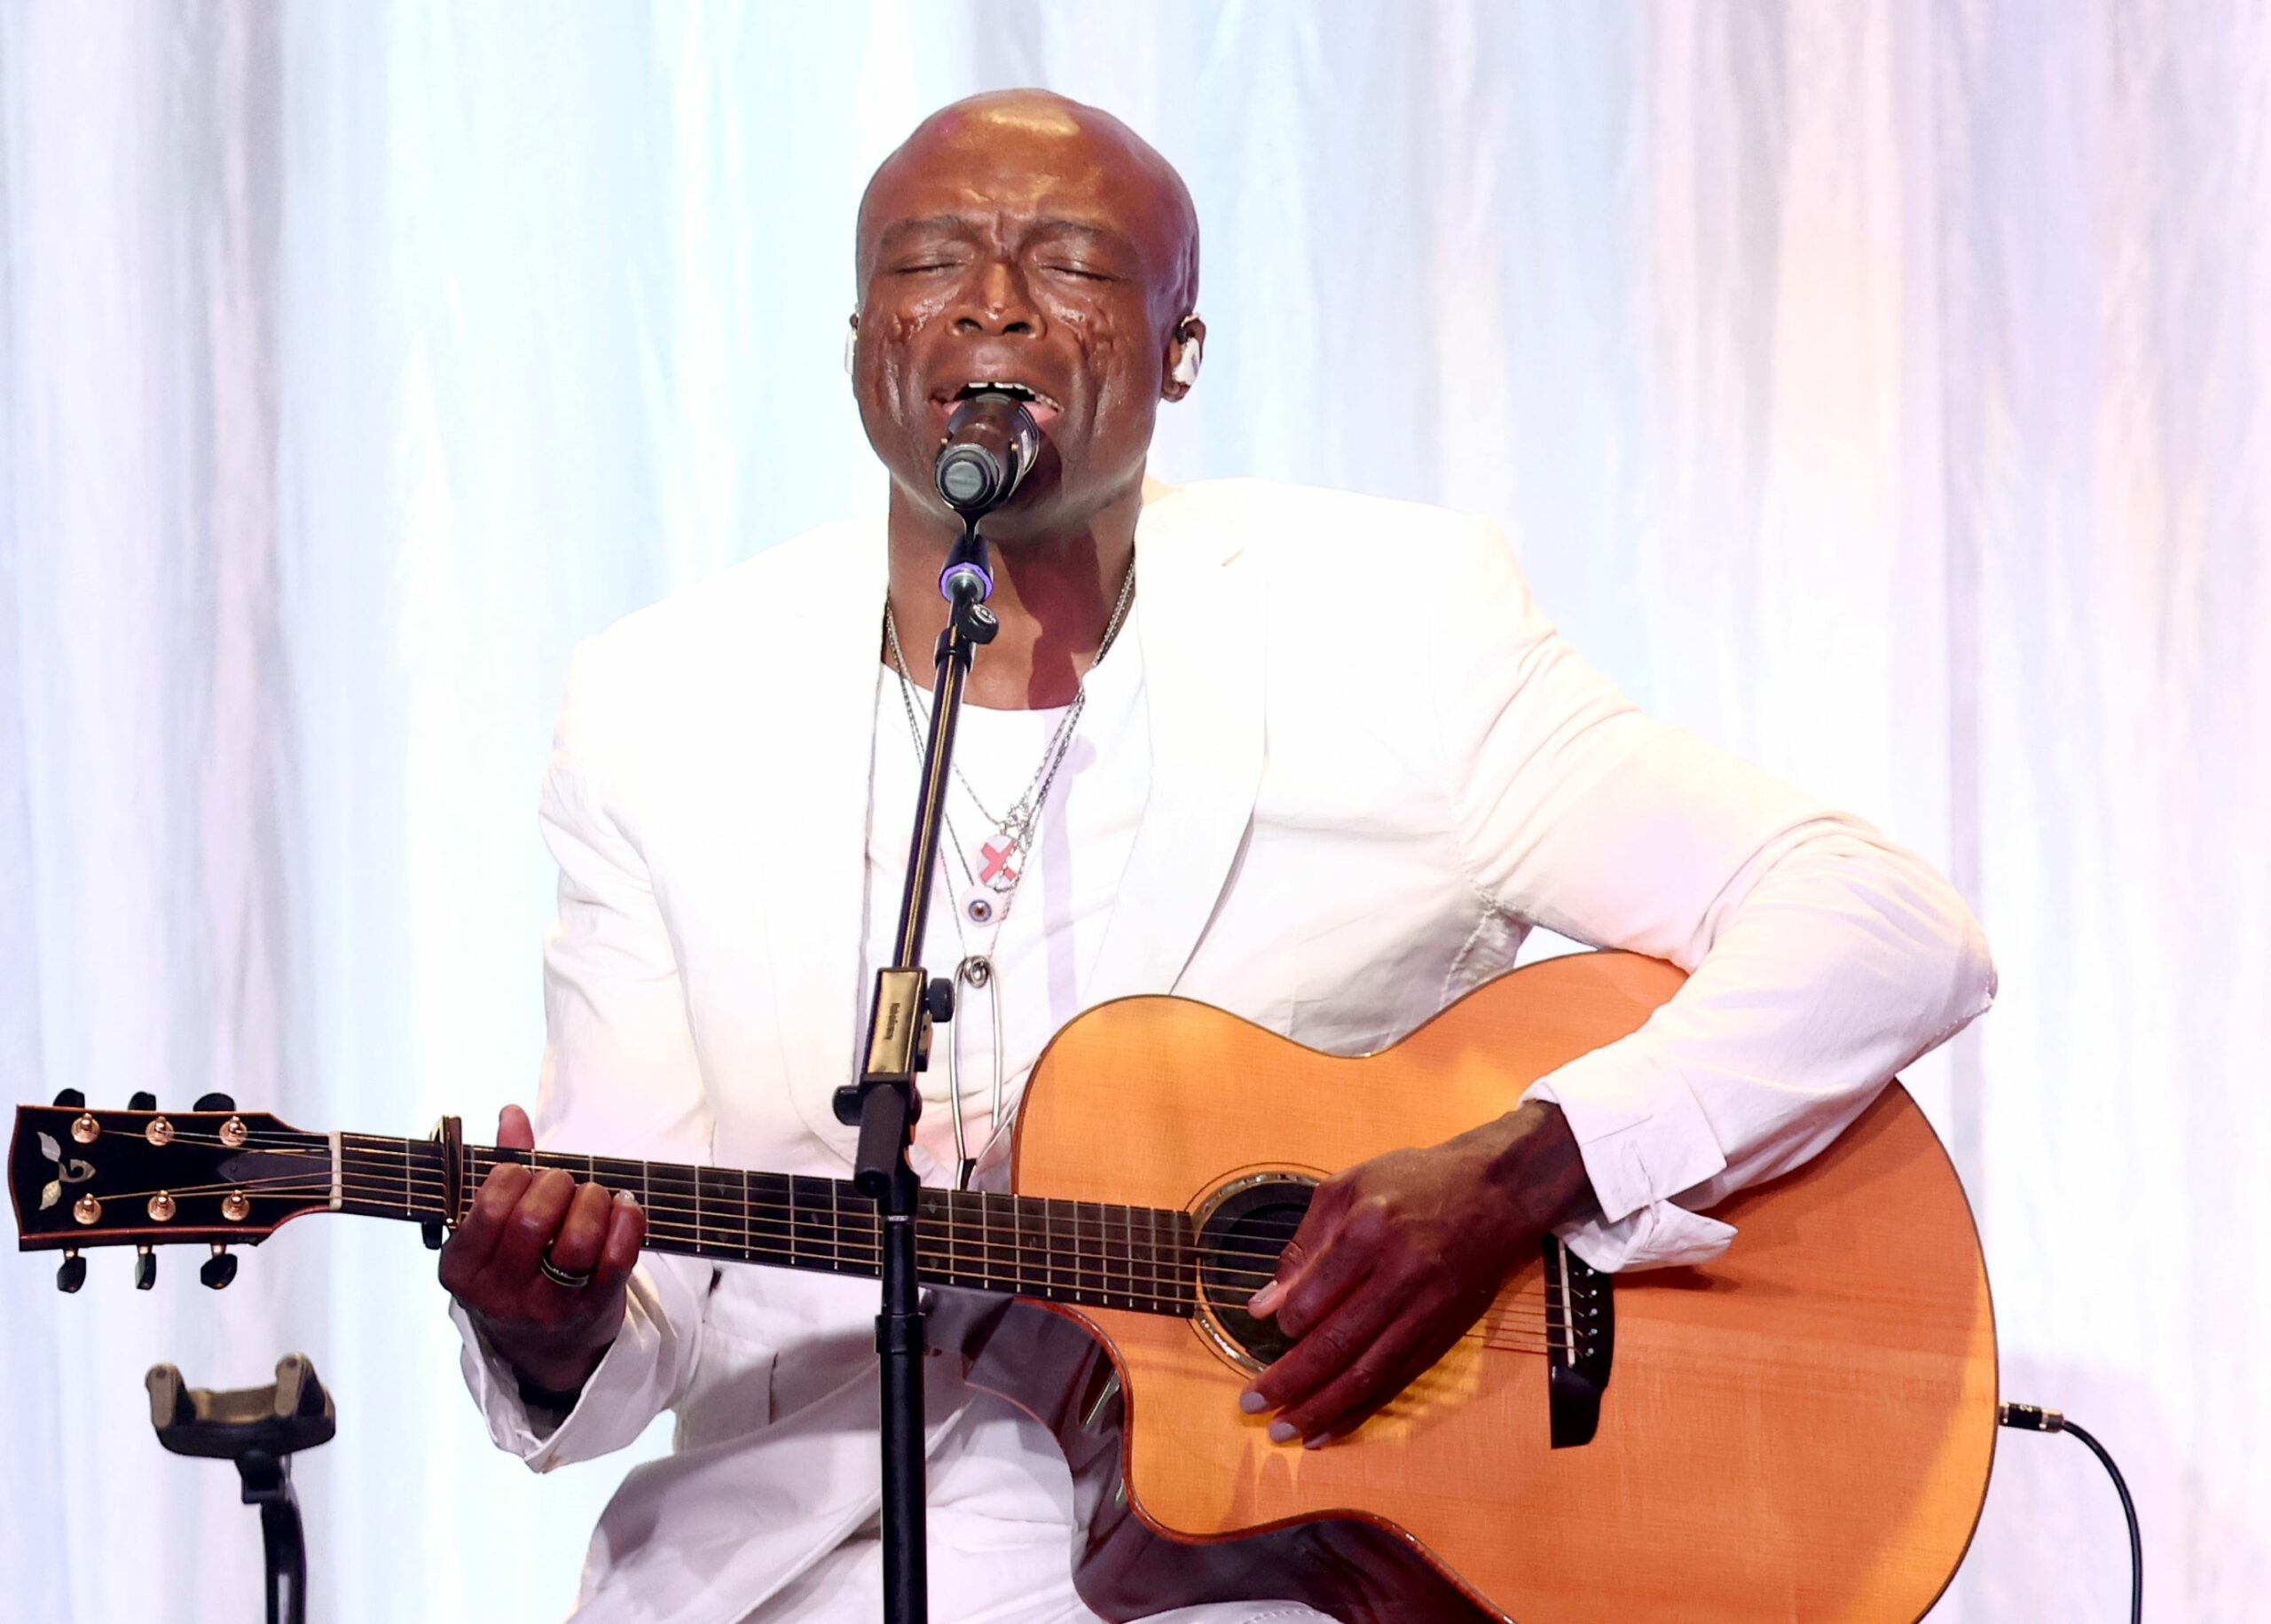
1199,624
1199,629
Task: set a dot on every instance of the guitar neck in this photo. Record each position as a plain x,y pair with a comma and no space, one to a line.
1082,1253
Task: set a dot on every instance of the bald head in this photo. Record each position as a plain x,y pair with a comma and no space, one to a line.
1021,238
1067,142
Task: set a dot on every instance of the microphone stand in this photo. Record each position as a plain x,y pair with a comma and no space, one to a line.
885,1103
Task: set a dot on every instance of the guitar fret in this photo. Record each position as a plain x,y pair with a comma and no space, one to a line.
1095,1255
969,1252
722,1223
807,1242
935,1252
796,1218
1001,1268
1032,1253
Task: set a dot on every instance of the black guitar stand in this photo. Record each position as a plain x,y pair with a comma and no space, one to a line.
260,1429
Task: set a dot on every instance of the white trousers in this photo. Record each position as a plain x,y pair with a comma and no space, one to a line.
1003,1585
1001,1535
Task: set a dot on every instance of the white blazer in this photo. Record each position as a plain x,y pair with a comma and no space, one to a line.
1374,767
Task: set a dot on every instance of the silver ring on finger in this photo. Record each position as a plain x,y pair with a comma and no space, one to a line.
570,1278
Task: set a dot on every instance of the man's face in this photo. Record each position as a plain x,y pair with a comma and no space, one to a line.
1017,244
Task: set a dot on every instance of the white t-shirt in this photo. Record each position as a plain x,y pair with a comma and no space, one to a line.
998,1480
1042,945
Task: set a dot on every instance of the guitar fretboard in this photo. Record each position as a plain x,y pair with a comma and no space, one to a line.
1069,1252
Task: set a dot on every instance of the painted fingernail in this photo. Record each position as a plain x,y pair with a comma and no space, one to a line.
1265,1299
1281,1431
1251,1402
1318,1442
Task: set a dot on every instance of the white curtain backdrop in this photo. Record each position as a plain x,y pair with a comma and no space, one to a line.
1881,388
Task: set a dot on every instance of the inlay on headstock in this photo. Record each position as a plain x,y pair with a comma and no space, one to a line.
146,1178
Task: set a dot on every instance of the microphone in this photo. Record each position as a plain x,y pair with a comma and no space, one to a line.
992,444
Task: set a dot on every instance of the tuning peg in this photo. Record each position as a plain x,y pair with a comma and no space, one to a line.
73,1098
215,1101
145,1266
71,1273
217,1270
143,1100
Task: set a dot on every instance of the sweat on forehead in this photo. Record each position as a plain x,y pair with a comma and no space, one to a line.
973,145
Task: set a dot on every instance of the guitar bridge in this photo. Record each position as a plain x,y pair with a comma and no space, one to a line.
1581,1341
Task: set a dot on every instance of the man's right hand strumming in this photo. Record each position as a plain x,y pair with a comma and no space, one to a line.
554,1334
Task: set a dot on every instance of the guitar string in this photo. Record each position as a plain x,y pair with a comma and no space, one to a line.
949,1226
956,1229
957,1225
485,1159
380,1187
1029,1257
430,1181
721,1230
1493,1329
1030,1254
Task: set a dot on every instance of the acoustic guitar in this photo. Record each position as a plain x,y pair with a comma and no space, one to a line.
1800,1429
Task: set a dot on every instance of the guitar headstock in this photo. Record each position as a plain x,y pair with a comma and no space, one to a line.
212,1175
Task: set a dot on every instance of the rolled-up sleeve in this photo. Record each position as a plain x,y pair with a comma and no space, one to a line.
1823,957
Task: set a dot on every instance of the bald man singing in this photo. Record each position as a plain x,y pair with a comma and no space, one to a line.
1176,775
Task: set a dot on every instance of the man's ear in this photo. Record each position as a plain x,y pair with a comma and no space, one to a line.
1183,357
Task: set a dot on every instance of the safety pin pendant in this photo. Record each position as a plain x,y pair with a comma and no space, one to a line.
975,970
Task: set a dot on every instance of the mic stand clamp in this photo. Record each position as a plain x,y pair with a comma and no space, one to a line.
885,1104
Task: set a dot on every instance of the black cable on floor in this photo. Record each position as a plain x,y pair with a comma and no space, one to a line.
2034,1418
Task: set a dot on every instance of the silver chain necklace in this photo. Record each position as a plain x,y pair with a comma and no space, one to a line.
1015,829
976,970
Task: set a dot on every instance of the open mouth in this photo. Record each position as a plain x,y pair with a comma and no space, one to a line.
1043,407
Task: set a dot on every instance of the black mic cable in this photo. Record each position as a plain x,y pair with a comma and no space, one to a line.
2034,1418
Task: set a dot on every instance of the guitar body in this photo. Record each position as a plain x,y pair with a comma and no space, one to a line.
1800,1430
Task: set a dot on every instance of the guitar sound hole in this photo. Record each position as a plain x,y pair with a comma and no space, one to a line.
1240,1237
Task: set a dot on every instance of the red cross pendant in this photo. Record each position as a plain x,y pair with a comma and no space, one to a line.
996,871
